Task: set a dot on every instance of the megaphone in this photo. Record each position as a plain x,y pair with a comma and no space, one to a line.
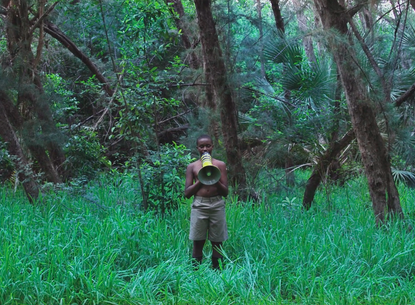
209,174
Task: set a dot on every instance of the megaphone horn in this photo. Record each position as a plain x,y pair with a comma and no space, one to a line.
209,174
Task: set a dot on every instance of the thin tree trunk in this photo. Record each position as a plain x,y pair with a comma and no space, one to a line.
279,22
302,25
375,158
320,170
330,156
215,66
289,172
52,162
261,37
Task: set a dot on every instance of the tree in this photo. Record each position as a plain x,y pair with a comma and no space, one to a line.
321,168
20,161
279,22
188,43
217,76
302,24
335,18
35,123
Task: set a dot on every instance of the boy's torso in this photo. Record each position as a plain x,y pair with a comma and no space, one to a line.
206,190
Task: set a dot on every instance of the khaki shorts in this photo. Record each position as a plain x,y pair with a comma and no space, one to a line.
207,218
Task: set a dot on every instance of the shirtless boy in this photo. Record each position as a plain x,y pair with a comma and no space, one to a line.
207,218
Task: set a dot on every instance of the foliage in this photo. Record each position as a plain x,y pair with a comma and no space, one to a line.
85,156
404,176
162,177
133,44
147,104
64,103
295,105
137,47
149,30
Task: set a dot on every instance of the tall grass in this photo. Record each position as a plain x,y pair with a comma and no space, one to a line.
96,247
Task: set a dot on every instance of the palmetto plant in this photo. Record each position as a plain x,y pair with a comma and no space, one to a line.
303,107
295,106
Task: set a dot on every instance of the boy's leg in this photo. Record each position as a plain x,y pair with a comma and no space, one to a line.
198,232
217,231
197,253
216,256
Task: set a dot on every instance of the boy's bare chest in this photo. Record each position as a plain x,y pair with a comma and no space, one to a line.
196,168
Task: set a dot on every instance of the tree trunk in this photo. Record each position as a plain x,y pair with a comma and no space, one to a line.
375,158
279,21
329,159
261,38
289,172
215,67
38,152
20,162
19,30
185,33
208,101
302,25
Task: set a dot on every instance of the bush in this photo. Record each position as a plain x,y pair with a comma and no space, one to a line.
163,178
84,155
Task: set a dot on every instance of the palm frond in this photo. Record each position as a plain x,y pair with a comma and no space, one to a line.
408,38
264,86
279,50
403,176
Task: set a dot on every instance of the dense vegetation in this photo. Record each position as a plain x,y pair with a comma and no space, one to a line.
100,106
95,246
108,84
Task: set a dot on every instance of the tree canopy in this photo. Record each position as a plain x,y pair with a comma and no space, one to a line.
87,86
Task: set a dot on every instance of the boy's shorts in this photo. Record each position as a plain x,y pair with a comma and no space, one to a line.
208,218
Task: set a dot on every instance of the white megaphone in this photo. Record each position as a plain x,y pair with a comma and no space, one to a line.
209,174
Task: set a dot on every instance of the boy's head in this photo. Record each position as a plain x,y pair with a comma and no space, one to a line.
204,144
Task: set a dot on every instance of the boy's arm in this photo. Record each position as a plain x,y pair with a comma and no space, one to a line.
222,184
190,189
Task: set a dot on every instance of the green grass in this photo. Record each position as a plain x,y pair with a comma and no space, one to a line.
96,247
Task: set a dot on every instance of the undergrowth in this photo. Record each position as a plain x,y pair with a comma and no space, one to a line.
95,246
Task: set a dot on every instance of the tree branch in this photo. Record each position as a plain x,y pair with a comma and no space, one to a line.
173,117
369,55
321,167
42,17
41,36
352,11
56,33
398,102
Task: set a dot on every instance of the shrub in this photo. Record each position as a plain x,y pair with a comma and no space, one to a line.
163,177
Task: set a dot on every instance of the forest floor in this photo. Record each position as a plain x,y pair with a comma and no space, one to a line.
93,245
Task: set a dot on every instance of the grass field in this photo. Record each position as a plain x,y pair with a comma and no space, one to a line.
94,246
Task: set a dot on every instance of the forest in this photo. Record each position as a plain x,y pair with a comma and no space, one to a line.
310,103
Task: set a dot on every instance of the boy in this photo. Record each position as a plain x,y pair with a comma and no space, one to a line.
208,207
